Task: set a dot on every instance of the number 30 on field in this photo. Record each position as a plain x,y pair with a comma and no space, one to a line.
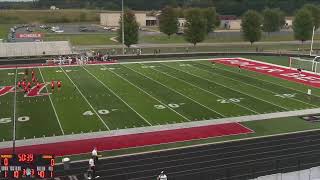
20,119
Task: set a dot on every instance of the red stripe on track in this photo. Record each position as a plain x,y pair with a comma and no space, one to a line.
133,140
286,73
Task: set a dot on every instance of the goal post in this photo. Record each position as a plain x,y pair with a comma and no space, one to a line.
307,64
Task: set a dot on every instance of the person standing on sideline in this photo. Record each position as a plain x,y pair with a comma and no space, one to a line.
162,176
92,167
94,155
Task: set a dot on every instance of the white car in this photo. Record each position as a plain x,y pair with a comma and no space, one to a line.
59,31
107,28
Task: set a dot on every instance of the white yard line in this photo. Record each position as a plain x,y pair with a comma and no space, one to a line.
117,96
237,104
230,88
14,110
177,92
104,123
271,81
54,109
149,95
254,85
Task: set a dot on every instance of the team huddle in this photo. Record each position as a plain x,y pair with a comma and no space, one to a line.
27,85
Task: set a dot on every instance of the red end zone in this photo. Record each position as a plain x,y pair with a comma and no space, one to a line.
133,140
282,72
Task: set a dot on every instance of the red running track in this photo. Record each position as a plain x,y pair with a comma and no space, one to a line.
133,140
286,73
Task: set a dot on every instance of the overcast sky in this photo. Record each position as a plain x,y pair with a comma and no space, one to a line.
14,0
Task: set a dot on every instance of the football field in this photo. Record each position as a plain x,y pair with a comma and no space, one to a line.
129,95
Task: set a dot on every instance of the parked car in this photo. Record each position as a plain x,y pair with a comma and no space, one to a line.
107,28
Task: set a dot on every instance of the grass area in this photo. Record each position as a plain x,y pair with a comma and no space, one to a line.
4,30
162,38
122,96
281,47
82,39
48,16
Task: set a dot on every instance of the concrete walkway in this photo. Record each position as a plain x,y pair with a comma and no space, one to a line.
75,137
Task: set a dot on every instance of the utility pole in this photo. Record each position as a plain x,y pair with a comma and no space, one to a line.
122,24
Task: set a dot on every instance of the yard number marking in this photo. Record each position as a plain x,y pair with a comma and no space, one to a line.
146,67
20,119
231,100
102,112
185,65
160,106
286,95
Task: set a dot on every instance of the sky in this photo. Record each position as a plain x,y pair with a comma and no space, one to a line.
13,0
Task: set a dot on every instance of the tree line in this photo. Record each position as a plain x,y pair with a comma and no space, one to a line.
234,7
271,20
201,21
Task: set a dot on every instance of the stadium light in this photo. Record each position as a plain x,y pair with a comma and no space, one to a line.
311,48
122,24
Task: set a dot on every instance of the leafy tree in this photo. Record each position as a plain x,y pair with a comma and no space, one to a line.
251,26
282,18
302,25
131,29
196,26
315,13
211,17
168,21
271,20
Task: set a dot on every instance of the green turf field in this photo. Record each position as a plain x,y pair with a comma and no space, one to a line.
120,96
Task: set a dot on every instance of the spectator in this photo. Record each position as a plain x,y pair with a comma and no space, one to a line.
162,176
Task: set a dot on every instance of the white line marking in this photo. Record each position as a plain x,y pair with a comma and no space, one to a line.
234,89
149,95
268,81
253,85
104,123
54,109
177,92
237,104
14,109
117,96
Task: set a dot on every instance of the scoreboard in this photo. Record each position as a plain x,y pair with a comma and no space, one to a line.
19,166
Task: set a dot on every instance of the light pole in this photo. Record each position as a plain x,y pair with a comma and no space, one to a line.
311,48
122,24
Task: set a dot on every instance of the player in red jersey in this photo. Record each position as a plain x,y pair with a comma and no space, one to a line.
52,85
29,85
19,84
32,73
59,84
33,79
23,83
38,85
26,89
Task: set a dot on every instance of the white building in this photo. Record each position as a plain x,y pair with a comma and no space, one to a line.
112,18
